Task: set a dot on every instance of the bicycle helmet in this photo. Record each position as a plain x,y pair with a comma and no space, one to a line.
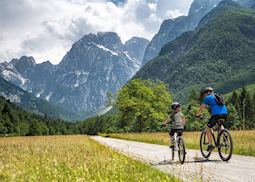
206,90
175,105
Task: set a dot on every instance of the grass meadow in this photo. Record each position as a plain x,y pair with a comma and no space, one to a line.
69,158
244,141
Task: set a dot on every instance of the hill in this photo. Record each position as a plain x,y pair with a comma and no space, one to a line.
33,104
249,88
219,53
16,121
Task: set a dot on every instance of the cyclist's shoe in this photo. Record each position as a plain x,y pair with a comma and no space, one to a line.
209,148
171,146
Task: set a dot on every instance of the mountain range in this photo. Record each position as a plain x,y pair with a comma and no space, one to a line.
33,104
220,52
212,45
172,28
96,64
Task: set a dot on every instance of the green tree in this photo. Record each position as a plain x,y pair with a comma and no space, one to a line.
246,108
143,105
233,116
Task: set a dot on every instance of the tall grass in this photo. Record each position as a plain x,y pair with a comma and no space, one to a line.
69,158
244,141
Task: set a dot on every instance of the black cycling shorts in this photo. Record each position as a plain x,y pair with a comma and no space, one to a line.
178,131
214,118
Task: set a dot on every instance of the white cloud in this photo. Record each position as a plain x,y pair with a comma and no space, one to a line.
47,29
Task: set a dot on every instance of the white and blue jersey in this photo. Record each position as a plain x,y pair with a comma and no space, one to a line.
216,109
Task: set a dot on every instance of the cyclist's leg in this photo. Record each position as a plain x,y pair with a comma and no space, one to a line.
223,116
179,132
171,133
212,121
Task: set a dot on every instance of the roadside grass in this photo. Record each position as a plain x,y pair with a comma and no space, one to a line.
244,141
69,158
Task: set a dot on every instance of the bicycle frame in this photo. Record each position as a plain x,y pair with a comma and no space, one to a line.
218,129
176,140
225,145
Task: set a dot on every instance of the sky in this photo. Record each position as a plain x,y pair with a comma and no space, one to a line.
47,29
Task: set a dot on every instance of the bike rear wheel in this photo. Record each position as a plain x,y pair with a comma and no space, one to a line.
225,145
181,151
173,148
204,144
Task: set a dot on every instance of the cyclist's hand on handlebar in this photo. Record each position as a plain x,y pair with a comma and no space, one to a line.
198,117
164,125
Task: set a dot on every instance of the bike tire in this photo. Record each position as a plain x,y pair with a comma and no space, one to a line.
181,151
173,148
223,133
203,144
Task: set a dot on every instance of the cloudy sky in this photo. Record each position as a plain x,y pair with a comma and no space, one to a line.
47,29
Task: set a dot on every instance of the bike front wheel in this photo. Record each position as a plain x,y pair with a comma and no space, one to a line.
204,145
225,145
181,151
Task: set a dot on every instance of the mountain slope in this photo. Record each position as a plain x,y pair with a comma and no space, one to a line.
31,103
16,121
247,3
96,64
220,53
250,88
170,29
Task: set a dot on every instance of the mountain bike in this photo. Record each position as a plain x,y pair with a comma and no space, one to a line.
179,146
223,142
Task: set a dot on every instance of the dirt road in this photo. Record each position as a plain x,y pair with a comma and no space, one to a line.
239,168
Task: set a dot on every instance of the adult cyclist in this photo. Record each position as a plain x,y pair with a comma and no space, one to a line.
218,111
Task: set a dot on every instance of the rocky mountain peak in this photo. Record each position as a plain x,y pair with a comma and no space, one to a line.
29,61
103,38
23,64
135,40
171,29
136,46
202,5
47,63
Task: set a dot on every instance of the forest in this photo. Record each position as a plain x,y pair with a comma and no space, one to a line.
140,106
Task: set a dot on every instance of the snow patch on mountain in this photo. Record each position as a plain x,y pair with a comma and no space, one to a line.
9,75
39,93
12,97
106,49
48,96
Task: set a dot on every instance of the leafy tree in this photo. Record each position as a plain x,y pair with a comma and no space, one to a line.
142,105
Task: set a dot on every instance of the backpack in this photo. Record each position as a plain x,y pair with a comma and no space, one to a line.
219,99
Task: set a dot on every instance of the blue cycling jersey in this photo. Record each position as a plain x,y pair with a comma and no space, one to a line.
216,109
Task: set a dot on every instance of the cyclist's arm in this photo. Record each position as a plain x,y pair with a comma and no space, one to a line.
200,110
168,119
184,120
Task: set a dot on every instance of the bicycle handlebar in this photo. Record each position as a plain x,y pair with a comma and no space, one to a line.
201,117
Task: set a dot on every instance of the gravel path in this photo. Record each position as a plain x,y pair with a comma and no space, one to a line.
239,168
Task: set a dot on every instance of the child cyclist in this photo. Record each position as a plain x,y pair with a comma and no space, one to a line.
177,120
